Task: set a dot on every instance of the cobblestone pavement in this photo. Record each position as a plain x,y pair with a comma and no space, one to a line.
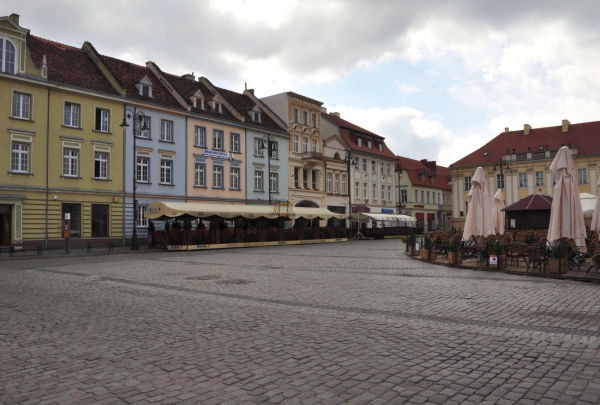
349,323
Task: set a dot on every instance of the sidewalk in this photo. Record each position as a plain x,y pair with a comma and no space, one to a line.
58,253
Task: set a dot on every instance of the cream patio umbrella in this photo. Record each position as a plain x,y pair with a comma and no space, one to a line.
566,216
498,216
595,225
479,217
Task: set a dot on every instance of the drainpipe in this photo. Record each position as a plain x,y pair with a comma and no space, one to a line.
185,169
124,169
47,152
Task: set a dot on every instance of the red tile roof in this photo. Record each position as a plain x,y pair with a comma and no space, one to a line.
129,74
348,125
536,201
413,167
584,137
68,65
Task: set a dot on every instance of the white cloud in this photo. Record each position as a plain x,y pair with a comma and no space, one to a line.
407,89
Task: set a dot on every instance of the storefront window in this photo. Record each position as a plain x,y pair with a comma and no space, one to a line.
75,211
99,221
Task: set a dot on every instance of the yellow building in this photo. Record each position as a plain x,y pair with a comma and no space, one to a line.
518,162
61,142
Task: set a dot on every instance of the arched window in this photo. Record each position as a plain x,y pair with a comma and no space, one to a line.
336,156
7,56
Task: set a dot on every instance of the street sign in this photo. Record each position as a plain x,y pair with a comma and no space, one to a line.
67,216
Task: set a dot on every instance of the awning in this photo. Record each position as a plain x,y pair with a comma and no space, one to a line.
430,216
167,210
387,217
420,215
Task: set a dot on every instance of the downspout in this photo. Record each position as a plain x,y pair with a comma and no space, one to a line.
124,169
185,169
47,152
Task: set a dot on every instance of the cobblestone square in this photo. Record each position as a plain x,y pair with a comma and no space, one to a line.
347,323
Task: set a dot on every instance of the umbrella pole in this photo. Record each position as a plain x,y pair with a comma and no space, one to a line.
358,234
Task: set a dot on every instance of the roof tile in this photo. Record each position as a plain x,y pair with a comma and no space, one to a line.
412,167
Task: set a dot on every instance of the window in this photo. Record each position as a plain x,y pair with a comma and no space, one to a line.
380,147
145,90
305,145
274,150
357,189
255,116
382,193
336,184
234,178
141,172
305,117
373,166
273,180
21,106
7,56
359,141
166,131
71,115
467,183
296,143
314,120
315,181
522,179
75,211
382,166
539,178
364,165
70,162
582,176
343,184
100,221
142,221
257,147
389,168
100,165
422,196
145,133
428,197
314,146
101,123
200,175
416,196
369,145
217,107
200,137
20,158
329,182
403,195
234,142
500,181
365,194
199,103
297,177
166,172
295,112
258,180
374,192
218,139
217,176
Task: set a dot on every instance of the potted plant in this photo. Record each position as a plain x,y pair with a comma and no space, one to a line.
410,244
454,255
428,253
557,260
498,250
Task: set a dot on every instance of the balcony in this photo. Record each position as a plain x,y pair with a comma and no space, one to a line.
313,157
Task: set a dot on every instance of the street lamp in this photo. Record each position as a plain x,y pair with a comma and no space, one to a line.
501,163
139,127
268,143
350,161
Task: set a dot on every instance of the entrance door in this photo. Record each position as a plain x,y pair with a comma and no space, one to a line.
5,227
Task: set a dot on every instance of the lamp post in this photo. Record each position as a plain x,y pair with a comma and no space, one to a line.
268,143
349,159
501,163
136,130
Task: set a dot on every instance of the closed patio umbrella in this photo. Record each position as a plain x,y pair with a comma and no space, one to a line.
498,218
479,217
595,225
566,216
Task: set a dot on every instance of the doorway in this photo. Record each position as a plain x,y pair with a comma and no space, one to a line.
5,227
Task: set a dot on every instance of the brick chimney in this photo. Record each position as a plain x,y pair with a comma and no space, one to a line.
324,110
15,18
526,129
506,129
565,125
189,76
337,114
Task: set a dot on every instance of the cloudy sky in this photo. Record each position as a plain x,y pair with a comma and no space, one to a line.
438,79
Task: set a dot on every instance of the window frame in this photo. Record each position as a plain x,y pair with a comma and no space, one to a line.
200,136
274,182
357,190
304,117
74,158
314,120
500,181
142,162
22,96
101,120
144,133
20,154
258,152
234,142
295,115
539,181
166,130
467,183
522,179
218,137
105,161
218,175
166,171
259,181
4,59
296,145
142,220
344,184
403,195
197,166
78,119
234,174
582,179
329,182
336,184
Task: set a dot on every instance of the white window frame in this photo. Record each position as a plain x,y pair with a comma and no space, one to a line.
21,105
370,144
305,117
166,171
582,175
257,150
6,62
500,181
70,158
539,178
314,120
234,178
343,184
199,175
274,182
365,164
389,168
295,114
200,136
217,176
467,180
218,139
365,191
20,158
258,180
522,179
403,195
142,220
373,166
166,131
144,133
382,192
296,143
336,184
357,190
102,158
142,169
329,182
389,193
315,179
315,146
72,114
104,119
234,141
305,144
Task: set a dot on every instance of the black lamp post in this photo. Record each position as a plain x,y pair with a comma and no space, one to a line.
501,163
268,143
136,132
350,161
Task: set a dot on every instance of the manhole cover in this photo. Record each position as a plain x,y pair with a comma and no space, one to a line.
207,277
234,281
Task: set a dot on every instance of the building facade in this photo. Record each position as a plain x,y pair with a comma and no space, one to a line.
335,151
424,192
518,163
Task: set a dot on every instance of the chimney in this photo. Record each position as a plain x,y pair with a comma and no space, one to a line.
323,110
526,129
506,129
337,114
565,125
15,18
189,76
251,91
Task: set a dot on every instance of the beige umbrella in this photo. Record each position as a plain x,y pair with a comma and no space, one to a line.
595,225
566,216
479,218
498,218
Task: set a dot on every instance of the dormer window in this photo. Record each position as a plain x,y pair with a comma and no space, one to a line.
145,90
255,114
359,141
218,107
381,147
369,144
199,103
144,87
8,56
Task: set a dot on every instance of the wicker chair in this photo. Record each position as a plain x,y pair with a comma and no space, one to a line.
536,258
521,237
516,252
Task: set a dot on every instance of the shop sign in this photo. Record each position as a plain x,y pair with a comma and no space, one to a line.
387,210
419,205
217,154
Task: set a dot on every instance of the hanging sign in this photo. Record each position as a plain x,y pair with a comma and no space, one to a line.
513,223
493,259
217,154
